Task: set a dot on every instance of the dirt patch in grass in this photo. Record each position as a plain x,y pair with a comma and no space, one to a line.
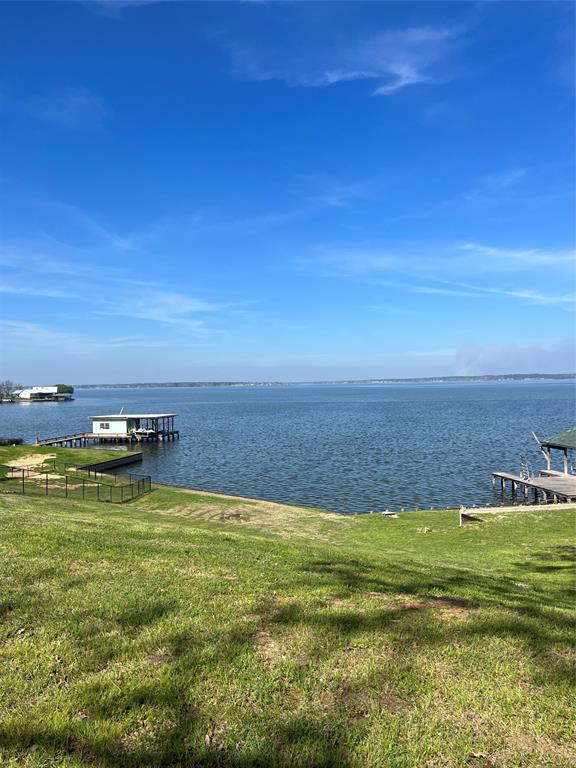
337,602
230,514
283,520
30,460
452,606
544,746
238,516
145,730
159,657
361,704
215,736
364,703
392,703
272,652
267,649
546,751
448,607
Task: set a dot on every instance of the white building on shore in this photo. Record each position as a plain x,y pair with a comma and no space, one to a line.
42,393
135,426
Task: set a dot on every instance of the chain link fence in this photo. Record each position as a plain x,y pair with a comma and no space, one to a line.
115,489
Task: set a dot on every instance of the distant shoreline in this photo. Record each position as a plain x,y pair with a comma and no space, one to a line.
421,380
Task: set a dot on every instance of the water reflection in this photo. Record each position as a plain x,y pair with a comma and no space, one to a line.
348,448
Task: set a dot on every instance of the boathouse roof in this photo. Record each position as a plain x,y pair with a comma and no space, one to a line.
566,439
123,416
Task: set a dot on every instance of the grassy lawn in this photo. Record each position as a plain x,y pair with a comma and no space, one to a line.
187,629
45,469
64,457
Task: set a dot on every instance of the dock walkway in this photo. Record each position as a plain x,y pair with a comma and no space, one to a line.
557,487
82,439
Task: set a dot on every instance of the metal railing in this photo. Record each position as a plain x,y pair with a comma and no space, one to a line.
34,482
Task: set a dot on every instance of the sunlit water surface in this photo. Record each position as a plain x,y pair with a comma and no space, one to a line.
346,448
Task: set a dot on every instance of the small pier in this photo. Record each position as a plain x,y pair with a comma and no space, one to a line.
120,428
78,440
83,439
547,488
549,485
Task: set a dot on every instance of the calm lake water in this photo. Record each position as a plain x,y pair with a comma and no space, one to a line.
346,448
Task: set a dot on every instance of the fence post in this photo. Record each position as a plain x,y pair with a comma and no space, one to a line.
46,483
23,486
97,491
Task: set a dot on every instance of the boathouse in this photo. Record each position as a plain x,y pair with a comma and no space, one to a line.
42,394
565,442
548,485
134,426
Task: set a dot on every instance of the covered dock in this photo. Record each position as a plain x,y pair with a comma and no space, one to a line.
565,443
121,428
550,485
135,426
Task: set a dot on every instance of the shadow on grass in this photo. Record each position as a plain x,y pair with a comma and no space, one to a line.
561,558
526,613
186,727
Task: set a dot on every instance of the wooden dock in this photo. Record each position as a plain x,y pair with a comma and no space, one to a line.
82,439
548,488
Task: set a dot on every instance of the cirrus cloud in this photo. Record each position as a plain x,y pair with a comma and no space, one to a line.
393,60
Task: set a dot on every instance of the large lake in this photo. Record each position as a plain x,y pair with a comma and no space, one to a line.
343,447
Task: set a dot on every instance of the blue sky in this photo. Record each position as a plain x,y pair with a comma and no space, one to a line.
294,191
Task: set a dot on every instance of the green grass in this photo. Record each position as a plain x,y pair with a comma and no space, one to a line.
65,457
186,629
46,469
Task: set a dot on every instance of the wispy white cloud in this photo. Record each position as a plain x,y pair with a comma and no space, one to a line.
438,291
104,291
115,8
525,189
327,192
393,60
407,57
441,262
520,257
446,272
34,290
41,337
24,332
161,306
477,291
504,179
71,107
90,224
354,262
538,297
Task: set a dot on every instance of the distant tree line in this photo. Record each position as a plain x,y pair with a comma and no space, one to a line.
421,380
7,388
